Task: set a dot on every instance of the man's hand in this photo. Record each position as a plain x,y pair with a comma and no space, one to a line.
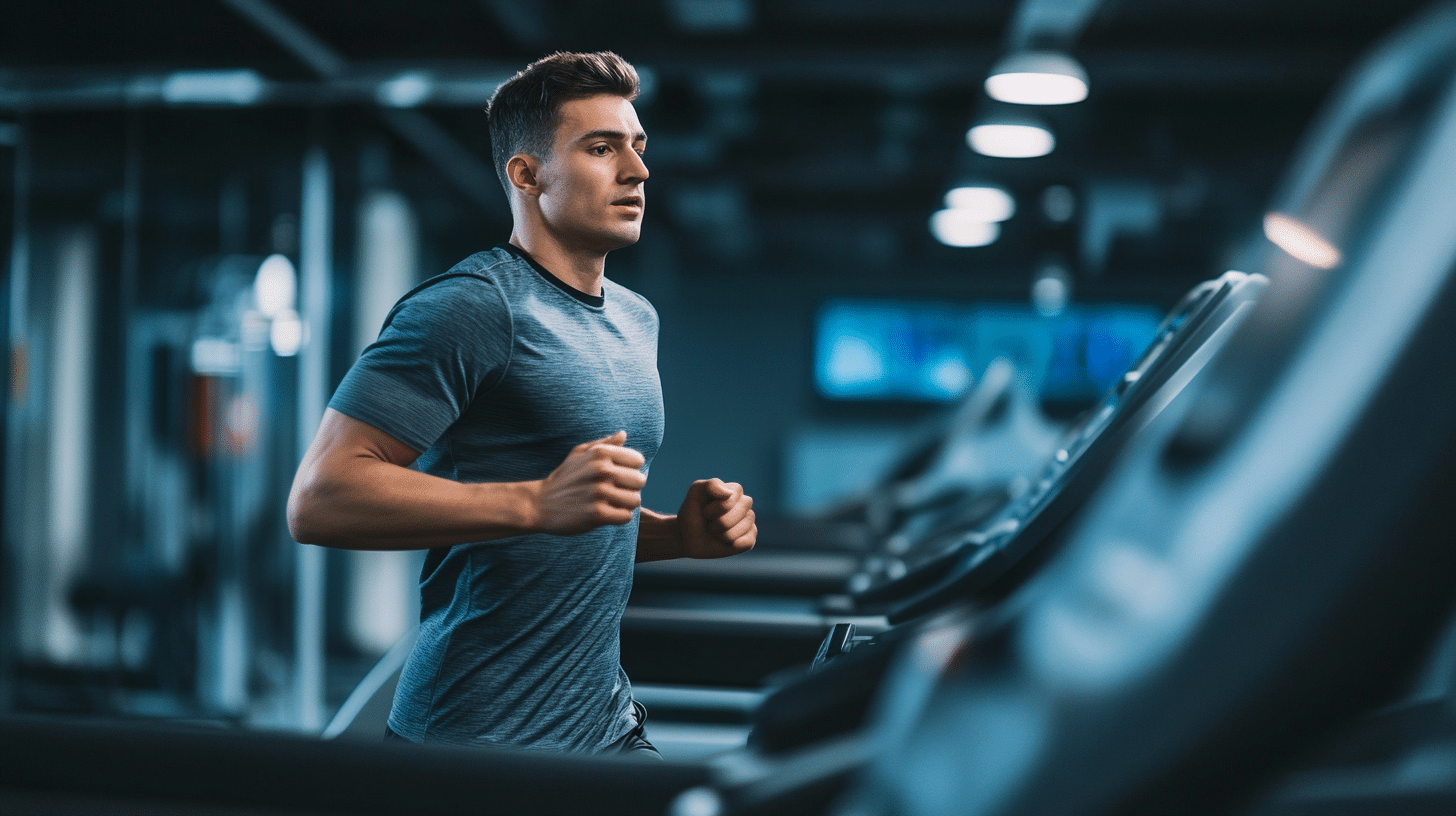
599,483
716,520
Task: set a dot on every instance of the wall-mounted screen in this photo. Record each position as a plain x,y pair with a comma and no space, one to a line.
903,350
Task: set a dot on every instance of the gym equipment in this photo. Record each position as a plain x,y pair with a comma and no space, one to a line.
70,766
1270,554
944,531
988,558
914,575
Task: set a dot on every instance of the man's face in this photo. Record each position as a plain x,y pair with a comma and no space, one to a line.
591,187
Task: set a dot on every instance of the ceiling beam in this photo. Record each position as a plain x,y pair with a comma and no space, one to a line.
1052,23
471,175
526,23
287,32
1247,68
1264,70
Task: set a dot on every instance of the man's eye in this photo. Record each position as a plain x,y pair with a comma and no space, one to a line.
600,150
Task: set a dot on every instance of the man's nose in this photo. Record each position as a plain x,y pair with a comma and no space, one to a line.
635,167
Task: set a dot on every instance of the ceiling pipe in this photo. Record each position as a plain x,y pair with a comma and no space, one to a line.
1285,70
1049,23
470,174
297,40
526,23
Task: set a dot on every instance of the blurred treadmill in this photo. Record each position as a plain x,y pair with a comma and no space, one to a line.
935,556
988,559
909,575
50,766
962,465
1269,559
736,621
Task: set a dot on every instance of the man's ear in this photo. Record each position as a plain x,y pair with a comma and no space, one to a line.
521,170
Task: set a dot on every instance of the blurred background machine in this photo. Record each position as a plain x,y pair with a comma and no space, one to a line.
1058,515
1267,565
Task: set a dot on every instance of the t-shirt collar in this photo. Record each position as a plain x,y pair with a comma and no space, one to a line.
591,300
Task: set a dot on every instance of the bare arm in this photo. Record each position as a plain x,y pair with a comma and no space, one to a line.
716,520
354,490
657,537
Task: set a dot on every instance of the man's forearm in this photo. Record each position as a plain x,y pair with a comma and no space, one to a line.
381,506
354,490
658,537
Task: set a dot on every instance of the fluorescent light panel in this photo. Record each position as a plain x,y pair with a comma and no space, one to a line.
242,87
985,202
959,228
406,90
1037,78
1008,141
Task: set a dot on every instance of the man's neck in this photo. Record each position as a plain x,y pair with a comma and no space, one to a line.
582,271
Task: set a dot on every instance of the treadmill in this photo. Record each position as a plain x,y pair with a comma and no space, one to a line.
1269,559
928,549
734,622
997,423
908,575
987,559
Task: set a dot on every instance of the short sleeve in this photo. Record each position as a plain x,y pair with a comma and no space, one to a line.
444,344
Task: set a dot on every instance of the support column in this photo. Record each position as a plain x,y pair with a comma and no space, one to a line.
16,370
315,273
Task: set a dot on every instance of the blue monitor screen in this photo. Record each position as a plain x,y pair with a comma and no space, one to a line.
898,350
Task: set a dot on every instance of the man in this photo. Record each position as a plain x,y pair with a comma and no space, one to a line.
522,386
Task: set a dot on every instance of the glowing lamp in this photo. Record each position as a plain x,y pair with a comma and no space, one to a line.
1037,78
1011,141
959,228
986,203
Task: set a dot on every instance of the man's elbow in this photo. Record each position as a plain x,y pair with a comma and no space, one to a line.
298,518
304,523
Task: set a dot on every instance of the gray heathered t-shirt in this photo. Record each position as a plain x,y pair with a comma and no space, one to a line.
496,370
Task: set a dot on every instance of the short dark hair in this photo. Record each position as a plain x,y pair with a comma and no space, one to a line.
526,109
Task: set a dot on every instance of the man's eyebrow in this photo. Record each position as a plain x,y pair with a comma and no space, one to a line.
615,135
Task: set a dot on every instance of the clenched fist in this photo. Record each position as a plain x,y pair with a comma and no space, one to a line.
599,483
716,520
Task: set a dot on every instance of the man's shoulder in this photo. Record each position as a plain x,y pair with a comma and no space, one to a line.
470,294
636,305
490,266
478,277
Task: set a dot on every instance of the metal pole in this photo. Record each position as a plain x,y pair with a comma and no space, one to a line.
131,227
18,293
316,236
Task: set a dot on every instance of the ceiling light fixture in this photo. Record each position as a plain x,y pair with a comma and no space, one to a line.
959,228
407,90
243,87
1037,78
985,202
1011,141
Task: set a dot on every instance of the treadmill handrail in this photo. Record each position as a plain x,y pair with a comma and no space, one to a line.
1197,316
981,568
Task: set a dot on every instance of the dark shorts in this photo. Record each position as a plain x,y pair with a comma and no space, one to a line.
633,744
